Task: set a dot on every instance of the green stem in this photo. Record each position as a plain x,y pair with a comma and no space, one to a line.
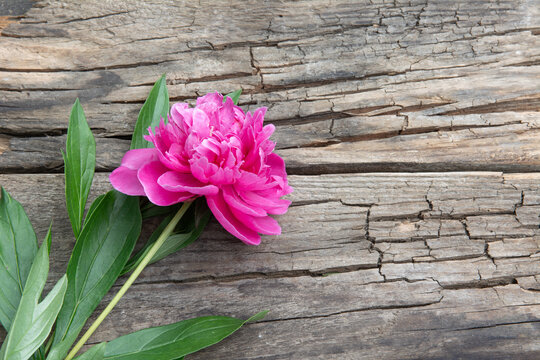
144,262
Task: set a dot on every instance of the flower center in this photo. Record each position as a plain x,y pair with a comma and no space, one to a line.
219,158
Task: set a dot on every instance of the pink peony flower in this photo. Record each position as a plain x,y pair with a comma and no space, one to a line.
217,151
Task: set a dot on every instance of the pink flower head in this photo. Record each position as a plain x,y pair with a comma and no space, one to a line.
217,151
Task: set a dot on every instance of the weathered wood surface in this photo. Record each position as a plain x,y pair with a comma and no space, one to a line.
367,263
378,263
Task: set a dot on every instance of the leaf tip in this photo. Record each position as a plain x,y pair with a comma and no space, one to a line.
76,106
257,317
48,238
235,96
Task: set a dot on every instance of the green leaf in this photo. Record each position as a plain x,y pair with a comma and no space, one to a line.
235,96
187,231
151,210
79,165
96,352
155,107
33,321
173,341
101,252
48,239
39,354
18,248
93,207
258,317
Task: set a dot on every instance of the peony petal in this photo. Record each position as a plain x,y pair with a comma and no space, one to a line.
174,181
199,168
258,118
272,206
277,168
125,180
148,176
209,148
234,201
223,214
187,114
173,159
222,176
201,123
250,181
227,119
266,132
176,113
264,225
215,98
136,158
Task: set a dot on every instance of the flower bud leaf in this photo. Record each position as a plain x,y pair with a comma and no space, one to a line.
155,107
235,96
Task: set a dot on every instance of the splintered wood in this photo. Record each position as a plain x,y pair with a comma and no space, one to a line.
411,132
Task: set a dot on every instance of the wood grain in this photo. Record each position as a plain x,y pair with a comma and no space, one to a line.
375,87
453,245
411,132
503,142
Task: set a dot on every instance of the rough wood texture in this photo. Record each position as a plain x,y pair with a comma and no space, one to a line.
453,244
412,133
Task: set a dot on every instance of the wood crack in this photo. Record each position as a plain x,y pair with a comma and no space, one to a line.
93,17
338,313
498,324
260,275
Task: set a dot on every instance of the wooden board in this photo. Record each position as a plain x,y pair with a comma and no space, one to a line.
411,131
444,254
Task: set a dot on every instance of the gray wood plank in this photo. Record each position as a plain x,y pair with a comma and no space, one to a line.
374,86
392,264
359,271
502,142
